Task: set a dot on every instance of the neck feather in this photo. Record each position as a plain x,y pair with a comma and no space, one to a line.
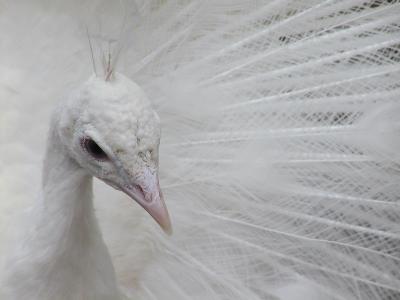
63,255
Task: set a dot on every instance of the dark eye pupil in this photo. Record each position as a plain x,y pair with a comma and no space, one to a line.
93,149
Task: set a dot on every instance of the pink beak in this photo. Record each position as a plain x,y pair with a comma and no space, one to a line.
148,194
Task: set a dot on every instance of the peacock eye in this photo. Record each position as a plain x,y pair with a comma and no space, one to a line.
93,149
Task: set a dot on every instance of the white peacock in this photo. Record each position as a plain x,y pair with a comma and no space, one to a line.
278,159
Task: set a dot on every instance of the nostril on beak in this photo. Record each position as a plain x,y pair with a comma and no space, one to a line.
148,197
148,194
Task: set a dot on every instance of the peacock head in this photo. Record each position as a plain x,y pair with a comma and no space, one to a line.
110,130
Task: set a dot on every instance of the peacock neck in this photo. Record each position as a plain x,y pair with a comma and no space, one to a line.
66,188
63,255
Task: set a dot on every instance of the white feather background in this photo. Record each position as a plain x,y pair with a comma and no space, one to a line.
279,155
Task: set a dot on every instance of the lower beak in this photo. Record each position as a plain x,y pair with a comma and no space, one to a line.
148,194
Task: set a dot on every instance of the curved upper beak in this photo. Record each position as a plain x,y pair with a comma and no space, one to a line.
147,193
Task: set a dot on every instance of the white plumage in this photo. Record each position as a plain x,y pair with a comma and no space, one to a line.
279,149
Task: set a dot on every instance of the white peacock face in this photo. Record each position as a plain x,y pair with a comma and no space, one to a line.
111,130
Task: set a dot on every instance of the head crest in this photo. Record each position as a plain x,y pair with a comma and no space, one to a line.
108,60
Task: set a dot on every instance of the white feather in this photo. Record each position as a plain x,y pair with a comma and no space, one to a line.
279,153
